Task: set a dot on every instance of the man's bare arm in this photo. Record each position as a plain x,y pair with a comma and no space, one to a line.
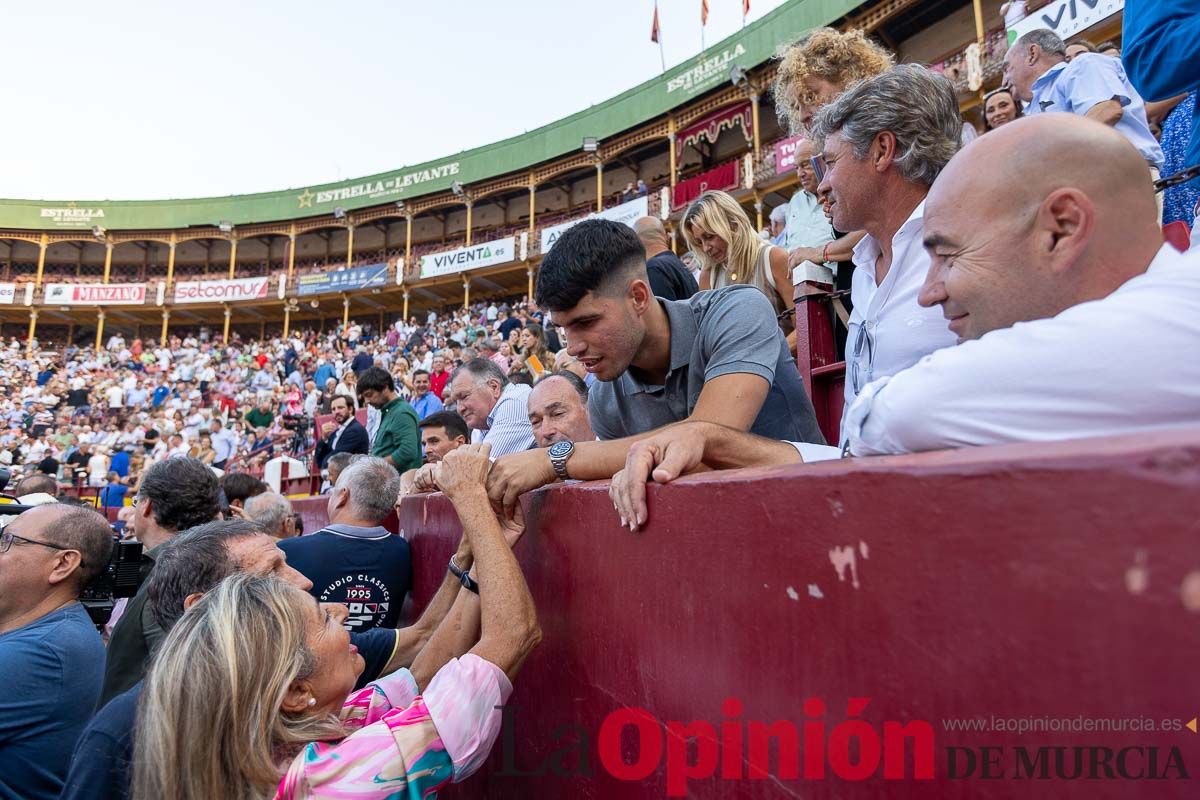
1109,112
410,640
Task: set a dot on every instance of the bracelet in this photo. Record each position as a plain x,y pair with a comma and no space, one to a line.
825,251
465,579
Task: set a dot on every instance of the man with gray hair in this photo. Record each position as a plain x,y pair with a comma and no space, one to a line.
883,142
354,560
273,513
1090,85
494,408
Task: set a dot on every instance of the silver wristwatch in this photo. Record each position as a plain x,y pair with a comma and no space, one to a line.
559,453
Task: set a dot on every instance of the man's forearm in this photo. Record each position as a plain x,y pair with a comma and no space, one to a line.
1109,112
727,448
412,639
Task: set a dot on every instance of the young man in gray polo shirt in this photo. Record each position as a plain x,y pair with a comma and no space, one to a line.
718,356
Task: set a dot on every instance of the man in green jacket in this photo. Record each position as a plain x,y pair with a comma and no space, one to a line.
397,438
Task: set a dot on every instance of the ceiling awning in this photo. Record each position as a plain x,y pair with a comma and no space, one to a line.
709,128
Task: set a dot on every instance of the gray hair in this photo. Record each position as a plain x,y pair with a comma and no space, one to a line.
481,370
1048,40
268,510
917,106
374,487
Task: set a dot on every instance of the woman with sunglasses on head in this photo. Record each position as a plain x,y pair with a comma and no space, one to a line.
1000,107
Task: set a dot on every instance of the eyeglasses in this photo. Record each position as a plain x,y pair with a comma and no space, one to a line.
861,374
819,167
7,539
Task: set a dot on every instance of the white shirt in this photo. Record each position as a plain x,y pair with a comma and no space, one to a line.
1124,364
807,225
508,427
899,332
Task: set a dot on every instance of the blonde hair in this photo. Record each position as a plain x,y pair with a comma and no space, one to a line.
209,720
841,58
719,214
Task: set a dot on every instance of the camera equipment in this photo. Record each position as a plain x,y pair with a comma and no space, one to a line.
298,424
121,577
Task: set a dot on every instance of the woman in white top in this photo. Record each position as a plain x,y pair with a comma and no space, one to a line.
729,250
97,467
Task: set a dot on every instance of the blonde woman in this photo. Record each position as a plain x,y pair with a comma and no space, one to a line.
731,251
250,695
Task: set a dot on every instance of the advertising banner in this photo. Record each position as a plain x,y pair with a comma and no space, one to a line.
95,294
8,293
488,254
222,291
343,280
626,213
1066,17
785,154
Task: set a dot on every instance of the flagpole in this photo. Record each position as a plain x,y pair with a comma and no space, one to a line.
661,56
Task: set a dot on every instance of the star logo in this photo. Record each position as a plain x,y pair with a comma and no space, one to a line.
306,199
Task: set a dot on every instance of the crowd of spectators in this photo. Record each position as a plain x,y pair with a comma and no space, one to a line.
989,305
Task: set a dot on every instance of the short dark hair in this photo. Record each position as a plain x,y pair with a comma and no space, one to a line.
341,397
523,376
417,372
79,527
37,483
451,422
375,379
1106,46
241,486
183,493
591,256
577,383
193,562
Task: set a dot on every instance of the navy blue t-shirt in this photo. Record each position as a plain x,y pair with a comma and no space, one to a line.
52,670
368,569
100,766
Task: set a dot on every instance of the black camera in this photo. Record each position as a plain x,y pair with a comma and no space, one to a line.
121,577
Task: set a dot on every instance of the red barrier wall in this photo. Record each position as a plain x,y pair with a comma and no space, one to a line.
1057,581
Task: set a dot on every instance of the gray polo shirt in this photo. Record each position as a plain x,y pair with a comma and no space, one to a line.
713,333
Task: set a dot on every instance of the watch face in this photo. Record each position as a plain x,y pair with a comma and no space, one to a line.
560,449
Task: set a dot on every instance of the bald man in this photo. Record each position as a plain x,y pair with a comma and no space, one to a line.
1074,319
669,278
558,410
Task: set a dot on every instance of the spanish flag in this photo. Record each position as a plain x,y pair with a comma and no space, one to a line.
654,26
703,12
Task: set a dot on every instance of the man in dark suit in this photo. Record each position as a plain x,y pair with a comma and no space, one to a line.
669,278
344,434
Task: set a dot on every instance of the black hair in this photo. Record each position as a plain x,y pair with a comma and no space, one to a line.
588,257
577,383
453,424
183,493
377,379
521,376
242,486
417,372
193,562
343,398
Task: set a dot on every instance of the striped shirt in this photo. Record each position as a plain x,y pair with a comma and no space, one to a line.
508,429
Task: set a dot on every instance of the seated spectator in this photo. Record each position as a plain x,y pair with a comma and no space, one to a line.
191,565
718,356
1074,253
292,666
718,231
342,434
337,463
492,406
439,375
51,655
396,438
354,559
424,401
565,362
884,141
558,410
238,487
1000,107
172,496
1090,85
1079,47
818,67
534,356
273,513
777,226
669,278
36,484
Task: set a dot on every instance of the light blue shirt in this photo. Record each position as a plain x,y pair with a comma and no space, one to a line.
508,427
1088,80
807,225
426,404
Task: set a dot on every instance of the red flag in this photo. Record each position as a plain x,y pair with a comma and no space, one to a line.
703,12
654,27
745,8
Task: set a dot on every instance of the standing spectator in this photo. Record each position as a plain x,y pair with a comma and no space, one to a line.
818,67
669,278
439,376
424,402
396,439
261,416
1179,202
50,653
808,229
1000,107
492,406
884,142
355,560
342,434
1092,85
223,442
718,231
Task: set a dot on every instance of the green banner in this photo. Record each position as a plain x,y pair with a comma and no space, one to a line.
749,47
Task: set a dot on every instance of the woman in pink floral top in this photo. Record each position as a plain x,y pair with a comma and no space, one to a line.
250,694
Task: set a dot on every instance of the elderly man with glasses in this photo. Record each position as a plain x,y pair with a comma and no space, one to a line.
883,143
51,655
